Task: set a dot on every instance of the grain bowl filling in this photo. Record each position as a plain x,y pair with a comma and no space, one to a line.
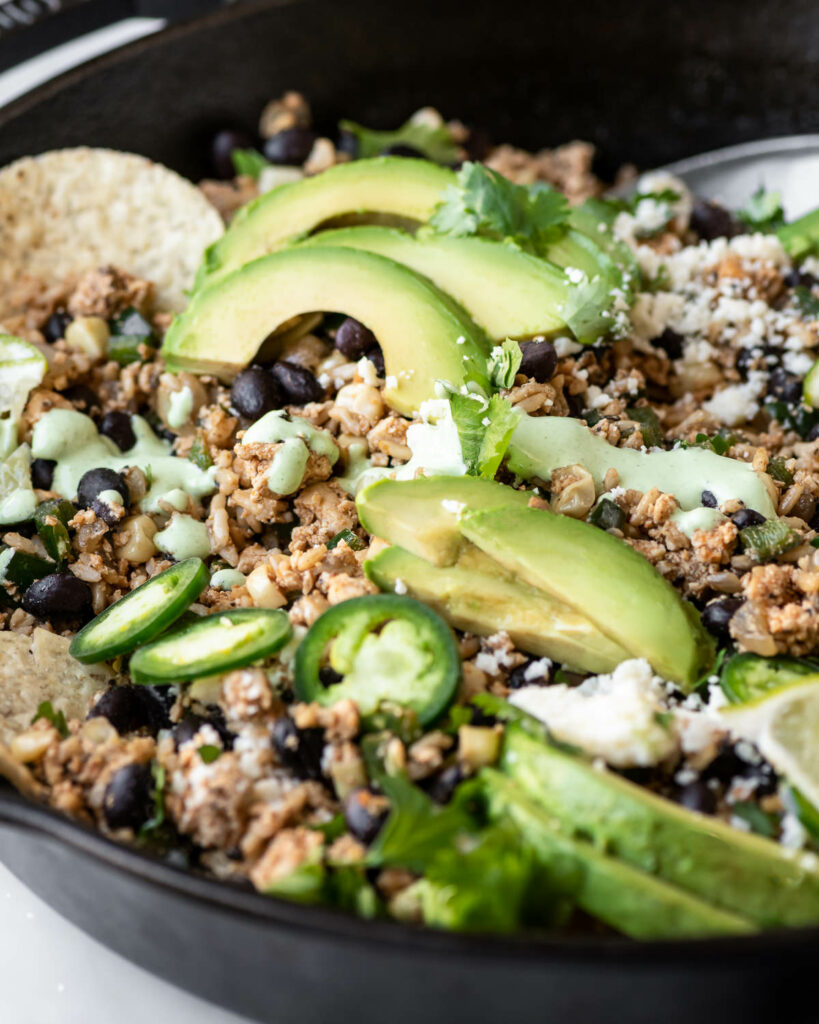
399,523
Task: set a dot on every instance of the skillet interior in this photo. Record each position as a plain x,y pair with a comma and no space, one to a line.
649,84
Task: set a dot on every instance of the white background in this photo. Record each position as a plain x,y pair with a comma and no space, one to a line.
50,972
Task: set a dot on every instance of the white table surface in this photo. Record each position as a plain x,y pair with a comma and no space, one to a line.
50,972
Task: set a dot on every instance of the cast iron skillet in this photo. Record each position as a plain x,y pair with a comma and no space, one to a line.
647,83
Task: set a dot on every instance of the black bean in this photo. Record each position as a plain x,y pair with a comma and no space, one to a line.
129,707
376,357
799,278
708,499
222,146
347,143
697,796
710,220
747,517
365,814
291,146
59,595
670,342
299,750
94,481
191,723
442,787
42,473
748,359
83,399
255,392
813,433
297,383
56,325
116,425
128,798
538,361
517,677
717,615
786,386
328,676
353,339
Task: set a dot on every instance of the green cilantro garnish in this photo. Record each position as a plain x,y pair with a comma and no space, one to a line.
763,212
806,301
199,454
56,718
249,162
209,753
504,363
486,204
350,539
485,428
434,141
769,540
719,443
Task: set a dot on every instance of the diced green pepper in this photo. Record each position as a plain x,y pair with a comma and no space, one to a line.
51,519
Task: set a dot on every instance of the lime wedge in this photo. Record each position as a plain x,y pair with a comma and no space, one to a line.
784,724
22,367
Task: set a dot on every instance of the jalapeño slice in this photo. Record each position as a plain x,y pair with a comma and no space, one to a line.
142,614
213,644
385,648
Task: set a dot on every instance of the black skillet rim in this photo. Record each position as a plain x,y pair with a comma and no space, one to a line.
18,812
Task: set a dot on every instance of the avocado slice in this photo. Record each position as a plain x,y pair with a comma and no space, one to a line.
632,901
477,595
421,515
601,577
595,218
507,292
405,188
424,335
738,871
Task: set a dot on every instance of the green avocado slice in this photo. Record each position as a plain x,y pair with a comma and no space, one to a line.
601,577
507,292
635,903
738,871
477,595
424,335
421,515
595,218
405,188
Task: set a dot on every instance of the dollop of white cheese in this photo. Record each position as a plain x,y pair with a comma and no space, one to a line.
621,717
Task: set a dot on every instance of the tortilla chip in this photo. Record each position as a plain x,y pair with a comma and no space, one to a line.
37,668
71,210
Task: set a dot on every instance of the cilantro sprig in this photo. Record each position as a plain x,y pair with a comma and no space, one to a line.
249,162
435,142
56,718
763,212
485,427
486,204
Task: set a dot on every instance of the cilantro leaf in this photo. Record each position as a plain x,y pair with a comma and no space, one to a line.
56,718
199,454
763,212
209,753
486,204
760,821
480,888
504,363
416,828
434,141
485,428
249,162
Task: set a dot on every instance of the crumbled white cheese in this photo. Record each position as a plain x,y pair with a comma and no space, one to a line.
738,403
566,347
367,371
399,586
794,835
537,669
797,362
617,717
453,506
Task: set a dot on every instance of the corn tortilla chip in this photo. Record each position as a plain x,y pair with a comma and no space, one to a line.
71,210
37,668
